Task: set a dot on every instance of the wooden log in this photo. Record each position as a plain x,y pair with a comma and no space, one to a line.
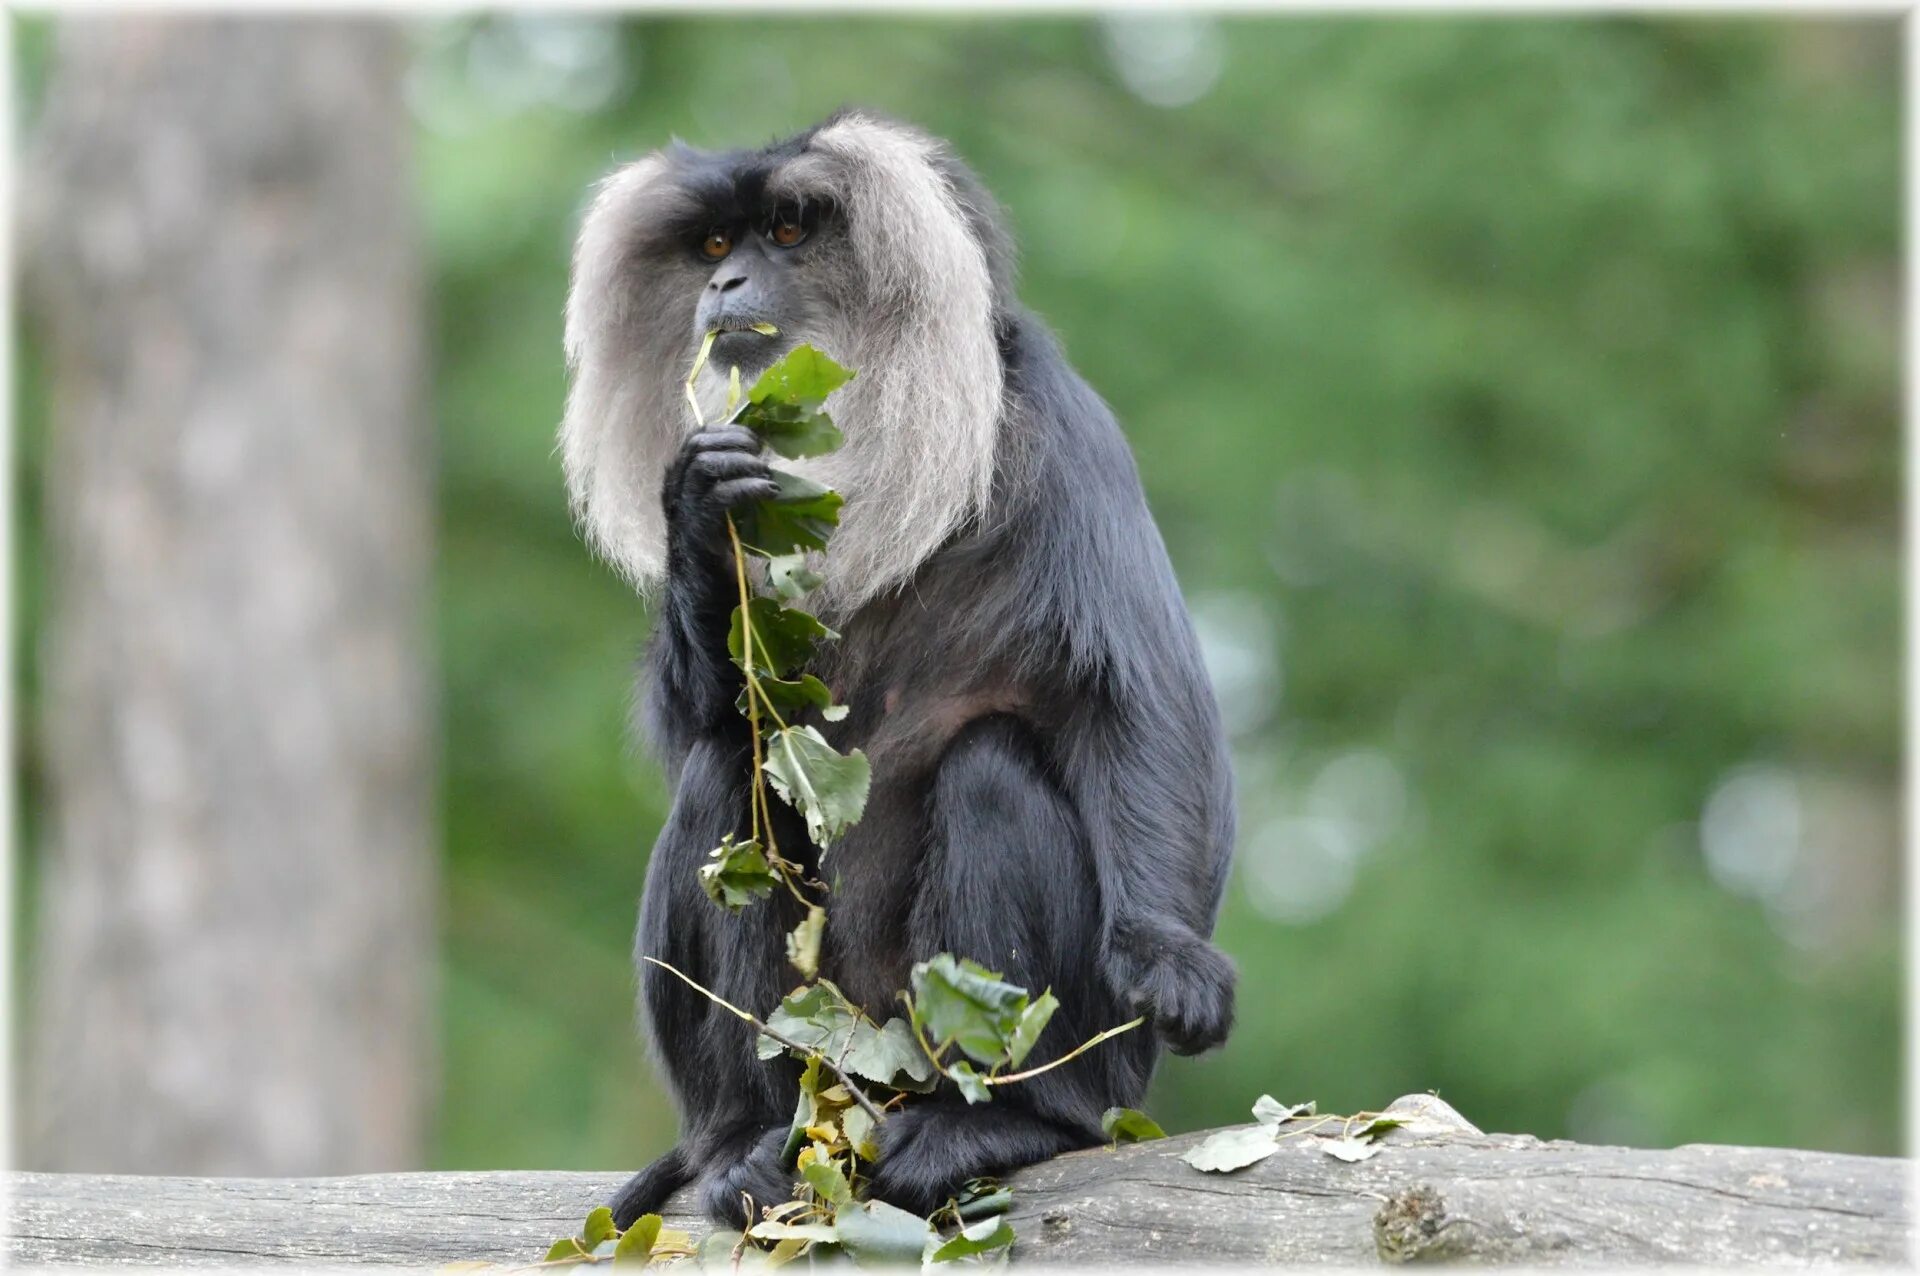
1437,1190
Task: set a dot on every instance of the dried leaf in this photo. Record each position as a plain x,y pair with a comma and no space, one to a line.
803,942
874,1232
1227,1150
1268,1110
1348,1149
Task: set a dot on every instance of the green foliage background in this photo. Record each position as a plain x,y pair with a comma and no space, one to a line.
1518,399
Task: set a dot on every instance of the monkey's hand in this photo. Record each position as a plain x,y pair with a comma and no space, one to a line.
693,685
1182,983
717,470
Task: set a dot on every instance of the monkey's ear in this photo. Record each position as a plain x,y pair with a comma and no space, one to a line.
620,425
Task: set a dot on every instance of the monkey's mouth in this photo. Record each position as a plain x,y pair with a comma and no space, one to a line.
742,325
745,343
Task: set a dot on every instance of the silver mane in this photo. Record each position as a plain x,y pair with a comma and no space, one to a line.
920,418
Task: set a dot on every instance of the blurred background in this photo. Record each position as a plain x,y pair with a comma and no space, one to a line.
1518,399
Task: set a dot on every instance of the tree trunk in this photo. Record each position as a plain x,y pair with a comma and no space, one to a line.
1436,1191
237,914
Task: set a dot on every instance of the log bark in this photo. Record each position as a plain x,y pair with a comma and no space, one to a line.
1437,1190
237,878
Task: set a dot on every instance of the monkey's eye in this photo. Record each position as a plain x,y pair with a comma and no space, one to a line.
717,244
787,229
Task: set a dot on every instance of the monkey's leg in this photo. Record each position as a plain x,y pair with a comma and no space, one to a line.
1007,882
744,1165
648,1190
732,1104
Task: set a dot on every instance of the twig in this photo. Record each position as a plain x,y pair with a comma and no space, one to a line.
1082,1048
853,1087
933,1056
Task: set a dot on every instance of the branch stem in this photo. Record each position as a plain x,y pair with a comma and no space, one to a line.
1010,1077
853,1087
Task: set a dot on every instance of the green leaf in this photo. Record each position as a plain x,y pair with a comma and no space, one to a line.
827,787
636,1243
973,1086
790,576
963,1002
598,1227
979,1238
820,1017
783,637
1268,1110
828,1181
876,1233
737,874
1227,1150
785,1252
983,1197
802,516
1377,1127
565,1250
716,1249
1033,1021
890,1056
803,942
803,378
817,1015
1130,1125
792,431
790,696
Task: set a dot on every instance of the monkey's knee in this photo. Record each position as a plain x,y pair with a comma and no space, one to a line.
1010,882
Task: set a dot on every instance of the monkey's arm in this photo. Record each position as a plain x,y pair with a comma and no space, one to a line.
1152,786
691,685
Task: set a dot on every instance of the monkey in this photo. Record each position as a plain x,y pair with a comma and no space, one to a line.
1051,794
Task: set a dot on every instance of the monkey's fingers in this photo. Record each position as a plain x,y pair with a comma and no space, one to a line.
734,438
706,470
734,493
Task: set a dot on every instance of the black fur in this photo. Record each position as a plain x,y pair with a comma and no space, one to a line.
1051,797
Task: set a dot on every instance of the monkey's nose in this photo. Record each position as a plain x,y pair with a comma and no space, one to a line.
728,284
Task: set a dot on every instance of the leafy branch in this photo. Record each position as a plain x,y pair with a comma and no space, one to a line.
961,1003
844,1052
769,642
853,1087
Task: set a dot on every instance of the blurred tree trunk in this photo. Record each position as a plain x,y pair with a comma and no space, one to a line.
234,973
